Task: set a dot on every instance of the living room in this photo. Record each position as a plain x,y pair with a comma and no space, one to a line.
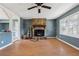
39,29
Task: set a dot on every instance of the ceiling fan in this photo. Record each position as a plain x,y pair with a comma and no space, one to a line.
39,5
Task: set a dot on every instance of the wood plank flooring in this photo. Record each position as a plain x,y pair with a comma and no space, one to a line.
49,47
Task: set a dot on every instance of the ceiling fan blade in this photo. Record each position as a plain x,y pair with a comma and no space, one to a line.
32,7
46,7
39,11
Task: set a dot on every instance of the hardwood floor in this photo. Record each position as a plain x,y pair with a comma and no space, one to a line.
49,47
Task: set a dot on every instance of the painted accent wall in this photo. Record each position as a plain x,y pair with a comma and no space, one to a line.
25,24
50,27
71,40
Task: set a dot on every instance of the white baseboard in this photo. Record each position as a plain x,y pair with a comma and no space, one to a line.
50,37
6,45
68,43
15,40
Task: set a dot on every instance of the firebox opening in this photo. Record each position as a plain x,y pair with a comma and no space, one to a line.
39,32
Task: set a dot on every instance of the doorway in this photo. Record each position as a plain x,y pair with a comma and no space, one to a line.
15,29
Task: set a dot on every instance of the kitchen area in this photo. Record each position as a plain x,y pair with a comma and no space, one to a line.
5,33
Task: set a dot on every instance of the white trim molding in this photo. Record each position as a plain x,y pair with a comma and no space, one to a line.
50,37
6,45
68,43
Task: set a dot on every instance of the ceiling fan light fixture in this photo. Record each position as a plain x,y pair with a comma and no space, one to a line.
38,5
39,11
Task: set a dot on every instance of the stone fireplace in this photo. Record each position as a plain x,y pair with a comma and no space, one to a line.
38,26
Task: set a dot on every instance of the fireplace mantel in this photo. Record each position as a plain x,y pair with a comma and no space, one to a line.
38,22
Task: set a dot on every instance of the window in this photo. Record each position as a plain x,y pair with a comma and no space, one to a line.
4,27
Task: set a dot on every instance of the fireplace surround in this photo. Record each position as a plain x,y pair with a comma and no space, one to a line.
38,26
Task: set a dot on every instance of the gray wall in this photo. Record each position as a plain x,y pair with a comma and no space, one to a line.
50,27
71,40
25,24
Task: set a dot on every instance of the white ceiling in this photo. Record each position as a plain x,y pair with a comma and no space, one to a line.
57,10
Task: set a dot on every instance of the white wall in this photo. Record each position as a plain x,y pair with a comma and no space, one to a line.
17,27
